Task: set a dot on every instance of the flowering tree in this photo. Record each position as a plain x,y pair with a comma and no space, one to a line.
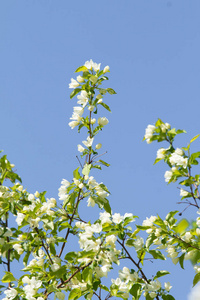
44,227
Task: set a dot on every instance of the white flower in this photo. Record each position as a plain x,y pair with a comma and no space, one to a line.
34,222
18,248
138,243
167,286
168,175
20,188
62,190
105,218
80,79
177,159
55,267
11,293
161,153
106,69
171,252
31,197
89,142
149,221
187,237
103,121
90,202
89,64
111,239
179,151
117,218
81,186
20,218
183,193
73,84
167,125
98,146
83,98
96,67
78,111
80,148
73,124
149,133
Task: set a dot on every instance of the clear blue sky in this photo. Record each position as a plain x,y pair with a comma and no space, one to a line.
152,48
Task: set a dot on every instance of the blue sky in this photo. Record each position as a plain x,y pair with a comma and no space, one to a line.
152,48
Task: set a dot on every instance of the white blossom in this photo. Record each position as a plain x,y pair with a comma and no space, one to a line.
83,98
168,175
183,193
138,243
149,133
88,142
73,84
18,248
20,218
11,293
80,148
80,79
167,286
90,202
161,153
73,124
105,218
117,218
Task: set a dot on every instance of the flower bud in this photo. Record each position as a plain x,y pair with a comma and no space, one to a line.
93,121
103,121
98,146
37,194
91,107
99,101
106,69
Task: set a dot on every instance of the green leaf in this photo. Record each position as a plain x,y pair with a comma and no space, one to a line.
104,163
93,79
194,138
71,257
135,291
157,254
8,277
196,279
168,297
110,91
76,173
81,69
74,92
106,106
52,249
181,260
160,274
104,187
74,294
180,131
86,169
182,226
